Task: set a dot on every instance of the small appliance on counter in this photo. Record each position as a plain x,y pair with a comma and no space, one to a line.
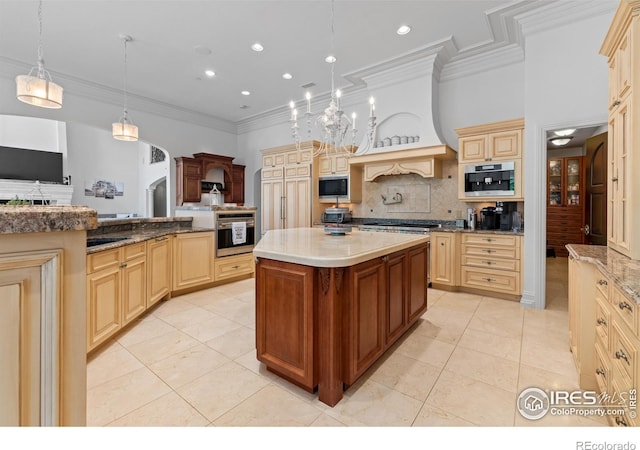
336,215
489,221
472,218
504,211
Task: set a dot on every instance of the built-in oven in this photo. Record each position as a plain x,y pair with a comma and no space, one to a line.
489,180
333,187
235,232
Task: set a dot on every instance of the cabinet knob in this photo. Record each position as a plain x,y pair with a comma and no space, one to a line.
601,321
625,305
602,282
621,421
616,103
489,279
488,263
622,355
235,267
599,371
614,179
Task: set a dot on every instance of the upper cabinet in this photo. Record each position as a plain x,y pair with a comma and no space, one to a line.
623,194
329,165
189,179
491,143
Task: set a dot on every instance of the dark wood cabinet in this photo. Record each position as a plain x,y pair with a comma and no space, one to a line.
190,172
565,208
189,179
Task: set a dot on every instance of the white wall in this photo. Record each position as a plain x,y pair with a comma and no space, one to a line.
566,82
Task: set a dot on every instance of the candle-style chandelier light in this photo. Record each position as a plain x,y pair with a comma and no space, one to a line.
333,124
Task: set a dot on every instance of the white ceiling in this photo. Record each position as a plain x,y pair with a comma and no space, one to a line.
83,48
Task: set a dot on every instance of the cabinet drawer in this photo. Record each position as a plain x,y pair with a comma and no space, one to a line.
491,280
603,319
603,370
602,285
626,309
490,240
491,251
621,420
270,173
102,260
512,265
233,266
132,251
623,353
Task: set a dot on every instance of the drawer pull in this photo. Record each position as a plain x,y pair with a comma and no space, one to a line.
621,355
614,179
160,239
601,321
621,421
602,282
123,265
488,250
616,103
488,239
488,263
599,371
235,267
625,305
489,279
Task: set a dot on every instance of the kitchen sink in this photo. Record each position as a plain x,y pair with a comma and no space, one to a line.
91,242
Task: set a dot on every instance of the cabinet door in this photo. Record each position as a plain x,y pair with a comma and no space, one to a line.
554,182
134,289
396,314
365,314
298,203
158,269
193,259
505,145
417,287
473,148
573,182
104,316
443,248
619,215
272,204
325,166
237,179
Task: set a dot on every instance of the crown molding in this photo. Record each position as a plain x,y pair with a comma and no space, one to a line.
483,62
101,93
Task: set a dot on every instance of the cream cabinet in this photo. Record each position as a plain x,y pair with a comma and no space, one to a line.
623,194
234,266
330,165
116,290
193,259
444,259
491,262
497,141
158,269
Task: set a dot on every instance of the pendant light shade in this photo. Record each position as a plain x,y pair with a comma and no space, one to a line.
37,88
123,130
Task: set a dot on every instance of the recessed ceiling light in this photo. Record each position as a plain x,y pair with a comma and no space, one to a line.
202,50
287,76
257,47
244,107
403,29
330,59
210,73
245,93
566,132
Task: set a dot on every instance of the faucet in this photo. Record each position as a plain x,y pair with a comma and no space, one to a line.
397,198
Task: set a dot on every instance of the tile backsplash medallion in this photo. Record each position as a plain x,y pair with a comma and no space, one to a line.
422,198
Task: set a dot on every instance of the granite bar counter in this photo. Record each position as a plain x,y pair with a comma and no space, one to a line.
329,306
623,271
35,219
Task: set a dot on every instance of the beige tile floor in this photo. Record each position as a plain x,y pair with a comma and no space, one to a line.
191,361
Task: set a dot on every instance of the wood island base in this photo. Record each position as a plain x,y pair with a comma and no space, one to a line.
323,327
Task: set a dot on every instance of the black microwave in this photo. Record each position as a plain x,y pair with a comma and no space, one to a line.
333,187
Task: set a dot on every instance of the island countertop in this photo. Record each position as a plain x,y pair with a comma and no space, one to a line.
36,219
314,247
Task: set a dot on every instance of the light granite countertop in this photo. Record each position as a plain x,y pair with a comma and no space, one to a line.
37,219
476,231
623,271
314,247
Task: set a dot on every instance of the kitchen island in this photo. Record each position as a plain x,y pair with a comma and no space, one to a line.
328,306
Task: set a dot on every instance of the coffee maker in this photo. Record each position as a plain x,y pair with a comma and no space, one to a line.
504,212
489,217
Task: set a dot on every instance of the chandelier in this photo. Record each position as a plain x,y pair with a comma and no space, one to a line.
123,130
332,123
37,88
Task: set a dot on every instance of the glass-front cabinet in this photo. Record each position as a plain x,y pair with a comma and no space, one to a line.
564,176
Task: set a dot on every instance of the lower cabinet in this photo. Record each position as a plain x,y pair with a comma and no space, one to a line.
158,269
233,266
444,251
193,255
116,290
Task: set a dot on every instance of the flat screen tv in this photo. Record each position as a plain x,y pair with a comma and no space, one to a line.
32,165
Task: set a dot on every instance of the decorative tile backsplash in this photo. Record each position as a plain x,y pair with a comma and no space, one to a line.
422,198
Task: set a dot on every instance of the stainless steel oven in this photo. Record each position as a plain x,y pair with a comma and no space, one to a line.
235,232
489,179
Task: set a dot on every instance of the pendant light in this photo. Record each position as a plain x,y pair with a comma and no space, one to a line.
123,130
37,88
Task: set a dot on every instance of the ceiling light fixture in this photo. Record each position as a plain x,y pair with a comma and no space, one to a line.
37,88
124,130
257,47
245,93
333,123
287,76
403,29
560,140
566,132
210,73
